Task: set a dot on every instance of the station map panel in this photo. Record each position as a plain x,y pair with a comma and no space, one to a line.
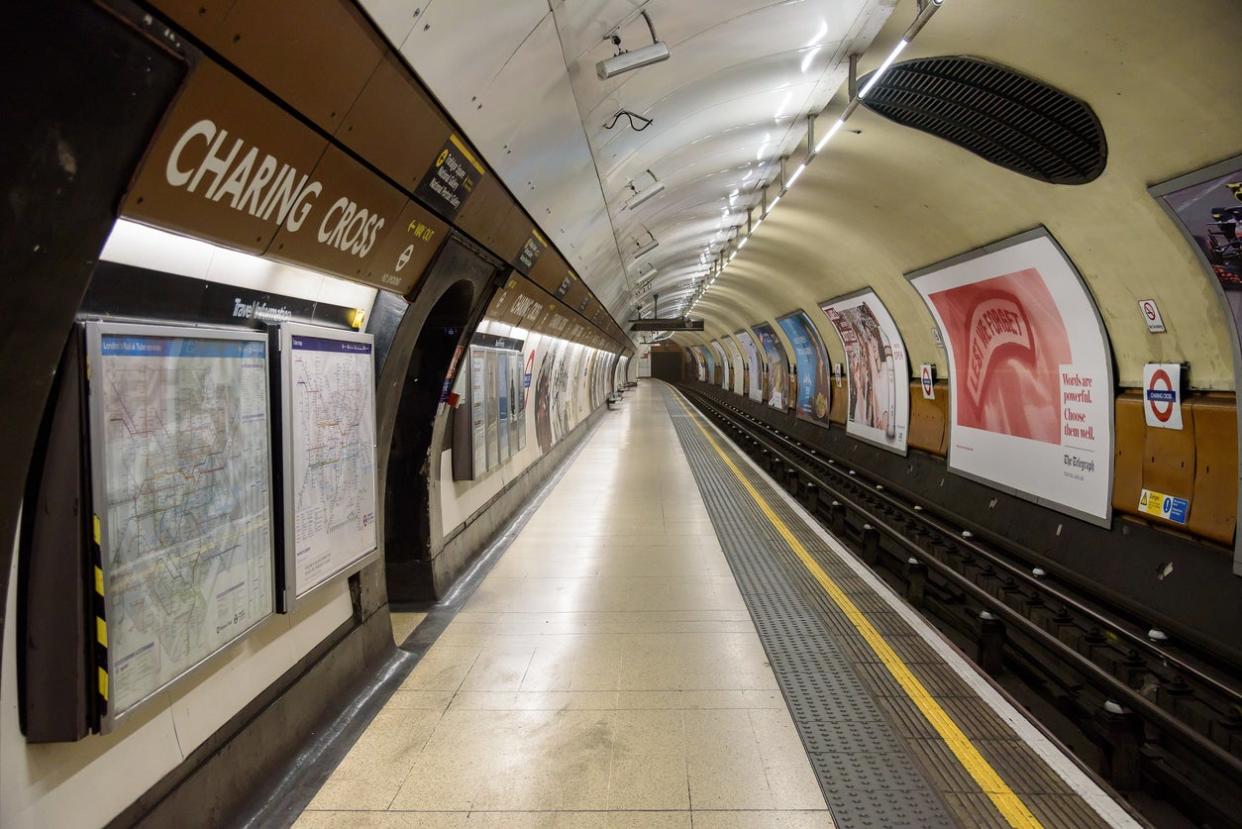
180,433
331,473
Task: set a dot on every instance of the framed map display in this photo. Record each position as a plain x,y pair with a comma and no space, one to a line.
180,444
328,482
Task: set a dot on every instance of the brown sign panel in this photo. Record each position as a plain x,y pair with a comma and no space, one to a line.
315,55
520,302
351,211
401,257
227,165
492,217
550,271
529,253
452,179
394,125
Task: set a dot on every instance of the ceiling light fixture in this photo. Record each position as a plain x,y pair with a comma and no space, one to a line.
646,194
625,61
879,73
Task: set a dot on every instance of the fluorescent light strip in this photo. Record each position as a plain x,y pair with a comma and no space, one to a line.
796,173
879,73
833,130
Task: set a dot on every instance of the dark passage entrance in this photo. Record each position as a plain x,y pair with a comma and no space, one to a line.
406,508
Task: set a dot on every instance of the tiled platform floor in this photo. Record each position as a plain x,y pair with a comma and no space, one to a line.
605,674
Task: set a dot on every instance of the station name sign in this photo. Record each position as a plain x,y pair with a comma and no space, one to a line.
230,166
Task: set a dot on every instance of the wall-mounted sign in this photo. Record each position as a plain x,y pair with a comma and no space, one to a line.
936,336
1162,395
532,249
1162,505
451,179
1031,385
927,379
231,167
1151,316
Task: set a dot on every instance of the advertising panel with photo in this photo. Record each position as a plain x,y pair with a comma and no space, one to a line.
814,389
1210,212
879,388
700,366
722,360
776,375
1030,373
710,361
738,380
754,373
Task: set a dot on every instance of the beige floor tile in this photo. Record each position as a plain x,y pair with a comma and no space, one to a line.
403,624
648,761
605,675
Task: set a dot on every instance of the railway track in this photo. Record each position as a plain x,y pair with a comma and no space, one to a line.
1157,718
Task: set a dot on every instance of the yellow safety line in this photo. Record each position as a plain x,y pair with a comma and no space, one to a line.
1007,803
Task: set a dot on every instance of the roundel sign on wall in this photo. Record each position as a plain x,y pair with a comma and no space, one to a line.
1162,395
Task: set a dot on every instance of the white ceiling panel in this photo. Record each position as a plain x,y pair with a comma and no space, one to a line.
725,107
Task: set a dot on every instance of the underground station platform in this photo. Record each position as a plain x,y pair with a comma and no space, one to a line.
664,637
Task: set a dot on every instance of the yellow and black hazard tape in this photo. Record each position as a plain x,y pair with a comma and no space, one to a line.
101,621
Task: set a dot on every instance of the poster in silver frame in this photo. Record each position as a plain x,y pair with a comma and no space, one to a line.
182,440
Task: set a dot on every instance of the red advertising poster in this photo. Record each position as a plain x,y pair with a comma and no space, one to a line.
1030,374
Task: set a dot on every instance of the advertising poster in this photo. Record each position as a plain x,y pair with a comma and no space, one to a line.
517,404
478,409
543,397
754,373
875,359
711,364
776,377
1210,212
491,412
722,360
502,404
1030,374
814,388
739,367
699,367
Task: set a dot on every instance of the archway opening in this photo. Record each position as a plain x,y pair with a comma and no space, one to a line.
410,465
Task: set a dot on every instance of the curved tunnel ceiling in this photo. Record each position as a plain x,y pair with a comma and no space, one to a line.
730,100
884,200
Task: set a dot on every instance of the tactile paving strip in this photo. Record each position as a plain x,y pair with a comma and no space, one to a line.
878,760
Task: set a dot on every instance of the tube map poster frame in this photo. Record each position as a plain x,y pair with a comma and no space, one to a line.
327,389
181,494
1031,373
878,409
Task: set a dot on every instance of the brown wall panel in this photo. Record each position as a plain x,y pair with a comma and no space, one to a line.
202,18
929,419
394,125
490,215
214,110
345,221
550,271
1129,444
401,257
316,55
1169,460
1213,507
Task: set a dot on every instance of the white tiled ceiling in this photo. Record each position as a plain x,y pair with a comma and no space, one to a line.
732,99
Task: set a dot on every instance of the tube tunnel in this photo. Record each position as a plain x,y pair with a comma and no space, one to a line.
621,413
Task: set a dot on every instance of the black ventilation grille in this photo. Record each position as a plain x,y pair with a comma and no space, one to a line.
1007,118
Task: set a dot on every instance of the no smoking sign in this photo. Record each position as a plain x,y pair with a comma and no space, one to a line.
1162,395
